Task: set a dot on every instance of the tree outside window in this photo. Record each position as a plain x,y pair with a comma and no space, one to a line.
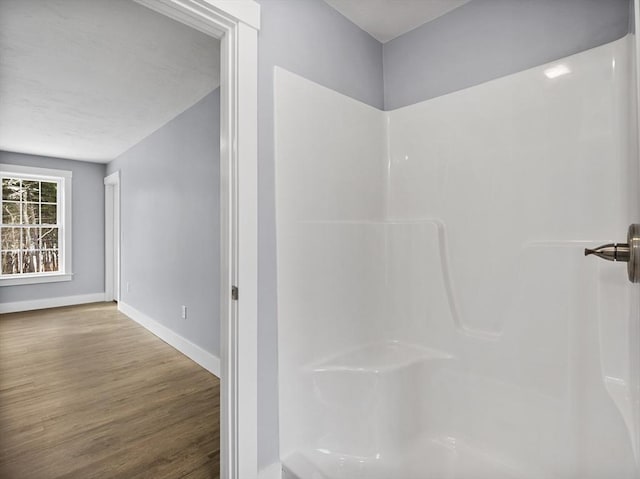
32,229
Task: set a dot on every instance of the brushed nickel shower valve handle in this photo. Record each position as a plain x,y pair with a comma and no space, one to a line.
628,252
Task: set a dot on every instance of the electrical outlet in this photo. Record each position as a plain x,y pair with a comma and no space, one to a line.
128,287
184,312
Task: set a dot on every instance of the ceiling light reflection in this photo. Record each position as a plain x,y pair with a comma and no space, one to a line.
556,71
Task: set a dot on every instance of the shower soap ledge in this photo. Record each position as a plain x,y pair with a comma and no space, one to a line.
380,357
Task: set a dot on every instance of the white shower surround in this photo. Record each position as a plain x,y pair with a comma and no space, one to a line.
436,316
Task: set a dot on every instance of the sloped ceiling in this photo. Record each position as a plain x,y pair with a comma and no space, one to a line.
87,80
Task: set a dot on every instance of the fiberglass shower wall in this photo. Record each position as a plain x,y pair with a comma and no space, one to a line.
437,317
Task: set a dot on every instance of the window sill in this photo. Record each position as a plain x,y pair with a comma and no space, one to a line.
44,278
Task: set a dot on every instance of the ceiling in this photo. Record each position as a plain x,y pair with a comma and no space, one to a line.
87,80
388,19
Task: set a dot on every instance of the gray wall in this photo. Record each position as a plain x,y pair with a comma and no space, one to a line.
170,251
311,39
88,230
487,39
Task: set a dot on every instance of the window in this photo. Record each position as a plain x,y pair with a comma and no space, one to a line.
35,229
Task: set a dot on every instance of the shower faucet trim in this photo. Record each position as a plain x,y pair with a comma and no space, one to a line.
628,252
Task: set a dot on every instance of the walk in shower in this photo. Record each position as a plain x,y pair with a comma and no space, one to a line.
437,317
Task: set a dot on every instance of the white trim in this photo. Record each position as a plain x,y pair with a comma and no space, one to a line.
33,171
112,236
64,209
36,278
50,303
113,178
244,11
273,471
194,352
243,343
236,23
208,15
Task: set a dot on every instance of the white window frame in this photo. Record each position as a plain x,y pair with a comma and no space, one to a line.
64,179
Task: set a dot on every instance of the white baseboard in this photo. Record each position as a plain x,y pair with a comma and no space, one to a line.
204,358
50,303
273,471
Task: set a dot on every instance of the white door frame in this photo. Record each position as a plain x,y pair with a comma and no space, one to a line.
112,237
236,24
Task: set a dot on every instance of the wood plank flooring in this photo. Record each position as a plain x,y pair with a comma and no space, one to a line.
87,393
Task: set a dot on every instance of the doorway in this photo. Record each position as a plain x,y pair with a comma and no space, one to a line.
112,237
236,24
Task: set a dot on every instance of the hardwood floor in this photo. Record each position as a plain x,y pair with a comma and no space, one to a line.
87,393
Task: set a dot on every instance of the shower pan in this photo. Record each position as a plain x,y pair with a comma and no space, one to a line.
437,316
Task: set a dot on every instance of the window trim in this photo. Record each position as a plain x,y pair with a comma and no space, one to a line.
64,205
